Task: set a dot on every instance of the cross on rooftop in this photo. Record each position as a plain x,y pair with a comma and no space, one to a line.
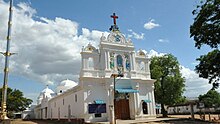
114,18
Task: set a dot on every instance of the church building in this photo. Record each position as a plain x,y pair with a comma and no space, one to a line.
114,83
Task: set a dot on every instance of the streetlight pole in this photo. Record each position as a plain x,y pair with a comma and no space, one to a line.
113,108
115,76
7,54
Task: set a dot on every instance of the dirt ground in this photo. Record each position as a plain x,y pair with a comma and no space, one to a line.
180,119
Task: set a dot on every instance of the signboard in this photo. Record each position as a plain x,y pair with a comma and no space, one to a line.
97,108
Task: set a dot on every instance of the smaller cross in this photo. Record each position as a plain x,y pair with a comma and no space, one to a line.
114,18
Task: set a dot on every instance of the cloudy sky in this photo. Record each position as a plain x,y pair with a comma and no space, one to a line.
48,36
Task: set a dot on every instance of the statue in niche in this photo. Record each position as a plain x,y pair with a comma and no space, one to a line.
120,67
112,65
127,62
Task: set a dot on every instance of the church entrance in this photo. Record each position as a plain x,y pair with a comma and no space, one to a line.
122,107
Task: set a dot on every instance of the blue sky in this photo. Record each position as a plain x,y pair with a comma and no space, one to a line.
174,18
48,36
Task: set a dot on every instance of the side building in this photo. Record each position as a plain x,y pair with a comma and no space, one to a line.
98,96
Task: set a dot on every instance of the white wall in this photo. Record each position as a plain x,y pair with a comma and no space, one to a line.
184,109
95,91
62,102
146,92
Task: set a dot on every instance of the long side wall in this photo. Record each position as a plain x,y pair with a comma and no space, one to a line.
67,106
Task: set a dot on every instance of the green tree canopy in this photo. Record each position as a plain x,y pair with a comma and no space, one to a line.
16,102
169,85
210,99
206,30
206,26
209,67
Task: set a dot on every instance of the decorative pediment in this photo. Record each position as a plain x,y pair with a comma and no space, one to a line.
116,37
141,53
90,48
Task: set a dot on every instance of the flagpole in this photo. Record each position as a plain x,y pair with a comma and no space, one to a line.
7,54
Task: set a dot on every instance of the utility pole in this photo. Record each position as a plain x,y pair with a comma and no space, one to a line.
7,54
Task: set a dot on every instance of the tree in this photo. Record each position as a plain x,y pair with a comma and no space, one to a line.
206,30
209,67
16,102
169,85
210,99
206,26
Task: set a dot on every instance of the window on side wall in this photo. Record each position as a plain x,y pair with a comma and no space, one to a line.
90,63
75,97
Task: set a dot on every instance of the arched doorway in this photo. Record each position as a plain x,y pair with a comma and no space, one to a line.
144,108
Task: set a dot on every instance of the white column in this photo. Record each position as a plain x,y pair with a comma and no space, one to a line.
115,62
138,110
150,104
85,63
82,63
111,104
133,59
147,66
108,61
153,101
136,104
132,105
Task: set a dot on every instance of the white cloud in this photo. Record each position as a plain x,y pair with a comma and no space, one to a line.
48,50
163,40
150,24
135,35
153,53
195,85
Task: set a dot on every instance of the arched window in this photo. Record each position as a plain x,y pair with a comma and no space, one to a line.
51,113
69,113
90,63
120,64
144,108
59,113
142,66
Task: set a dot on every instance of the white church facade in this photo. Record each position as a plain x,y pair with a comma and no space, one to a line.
114,81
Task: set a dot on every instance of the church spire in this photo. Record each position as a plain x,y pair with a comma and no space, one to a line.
114,27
